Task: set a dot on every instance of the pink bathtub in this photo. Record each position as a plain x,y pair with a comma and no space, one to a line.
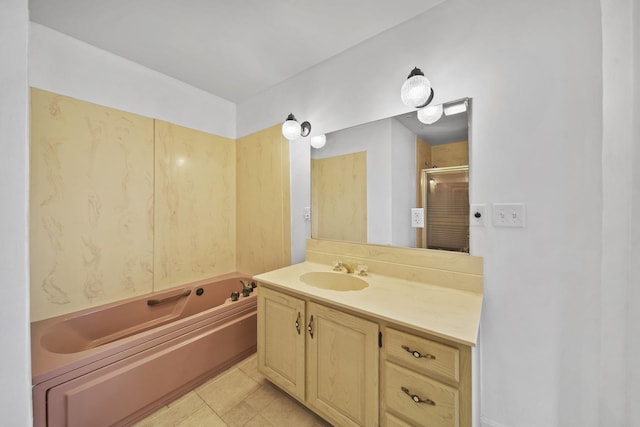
114,364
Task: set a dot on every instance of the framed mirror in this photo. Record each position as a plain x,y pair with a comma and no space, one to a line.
397,181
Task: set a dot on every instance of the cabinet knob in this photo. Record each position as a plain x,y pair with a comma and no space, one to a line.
417,398
417,354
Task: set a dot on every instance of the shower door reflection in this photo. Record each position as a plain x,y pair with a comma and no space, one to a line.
445,193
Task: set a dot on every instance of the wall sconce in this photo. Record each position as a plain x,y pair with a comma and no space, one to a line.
318,141
291,129
416,91
431,114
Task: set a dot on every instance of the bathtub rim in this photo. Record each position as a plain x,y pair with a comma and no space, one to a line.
46,365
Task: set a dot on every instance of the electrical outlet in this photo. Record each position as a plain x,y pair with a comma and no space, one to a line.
508,214
417,217
477,215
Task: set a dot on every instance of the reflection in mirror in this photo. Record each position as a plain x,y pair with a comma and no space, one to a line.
368,180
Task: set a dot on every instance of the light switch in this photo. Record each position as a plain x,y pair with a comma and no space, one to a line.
417,217
477,215
307,214
508,214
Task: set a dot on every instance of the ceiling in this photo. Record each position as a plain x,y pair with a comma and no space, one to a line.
233,48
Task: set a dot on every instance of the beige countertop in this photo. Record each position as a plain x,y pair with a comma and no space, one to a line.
438,310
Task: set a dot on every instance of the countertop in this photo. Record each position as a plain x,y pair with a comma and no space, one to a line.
437,310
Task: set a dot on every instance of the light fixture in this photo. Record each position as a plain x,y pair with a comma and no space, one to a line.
291,129
318,141
455,108
431,114
416,91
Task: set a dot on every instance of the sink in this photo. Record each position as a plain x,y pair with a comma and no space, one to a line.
333,281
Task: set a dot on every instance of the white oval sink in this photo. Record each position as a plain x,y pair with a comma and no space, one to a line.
333,281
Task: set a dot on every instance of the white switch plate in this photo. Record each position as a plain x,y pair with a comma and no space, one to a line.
478,215
417,217
307,214
508,214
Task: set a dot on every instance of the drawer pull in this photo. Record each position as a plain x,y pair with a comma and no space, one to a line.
417,354
298,323
417,398
310,326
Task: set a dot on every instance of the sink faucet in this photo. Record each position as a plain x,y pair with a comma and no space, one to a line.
339,265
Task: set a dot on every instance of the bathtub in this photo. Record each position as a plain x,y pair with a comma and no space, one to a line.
115,364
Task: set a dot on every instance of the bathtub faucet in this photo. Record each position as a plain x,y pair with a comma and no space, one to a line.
247,287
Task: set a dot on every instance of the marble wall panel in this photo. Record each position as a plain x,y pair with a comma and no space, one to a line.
91,204
263,187
195,205
339,197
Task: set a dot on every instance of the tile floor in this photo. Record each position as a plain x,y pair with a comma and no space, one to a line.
240,396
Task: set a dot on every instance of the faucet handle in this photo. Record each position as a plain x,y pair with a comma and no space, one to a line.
362,269
337,266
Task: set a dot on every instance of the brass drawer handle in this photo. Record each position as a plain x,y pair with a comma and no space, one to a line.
310,326
298,323
417,354
417,398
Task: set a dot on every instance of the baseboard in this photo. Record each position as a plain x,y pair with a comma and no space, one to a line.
485,422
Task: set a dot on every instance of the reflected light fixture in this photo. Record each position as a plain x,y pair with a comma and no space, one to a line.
416,91
318,141
455,108
291,129
431,114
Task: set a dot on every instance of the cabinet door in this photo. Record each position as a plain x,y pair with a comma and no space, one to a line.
342,363
281,340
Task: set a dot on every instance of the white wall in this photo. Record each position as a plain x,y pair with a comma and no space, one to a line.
15,366
534,71
617,173
403,184
633,296
61,64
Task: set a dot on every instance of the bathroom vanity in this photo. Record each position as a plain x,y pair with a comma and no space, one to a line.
391,348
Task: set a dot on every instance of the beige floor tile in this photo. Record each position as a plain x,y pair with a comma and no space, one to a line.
175,412
203,417
240,397
227,390
250,367
284,411
259,421
239,415
263,396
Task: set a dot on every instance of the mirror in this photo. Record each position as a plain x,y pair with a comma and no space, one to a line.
396,181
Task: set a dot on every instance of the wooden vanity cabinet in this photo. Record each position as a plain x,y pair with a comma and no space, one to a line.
425,381
325,358
332,362
281,340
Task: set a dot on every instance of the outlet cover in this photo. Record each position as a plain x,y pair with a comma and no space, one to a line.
417,217
478,215
307,214
509,214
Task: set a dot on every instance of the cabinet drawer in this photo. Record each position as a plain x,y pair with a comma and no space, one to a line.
423,355
440,403
392,421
